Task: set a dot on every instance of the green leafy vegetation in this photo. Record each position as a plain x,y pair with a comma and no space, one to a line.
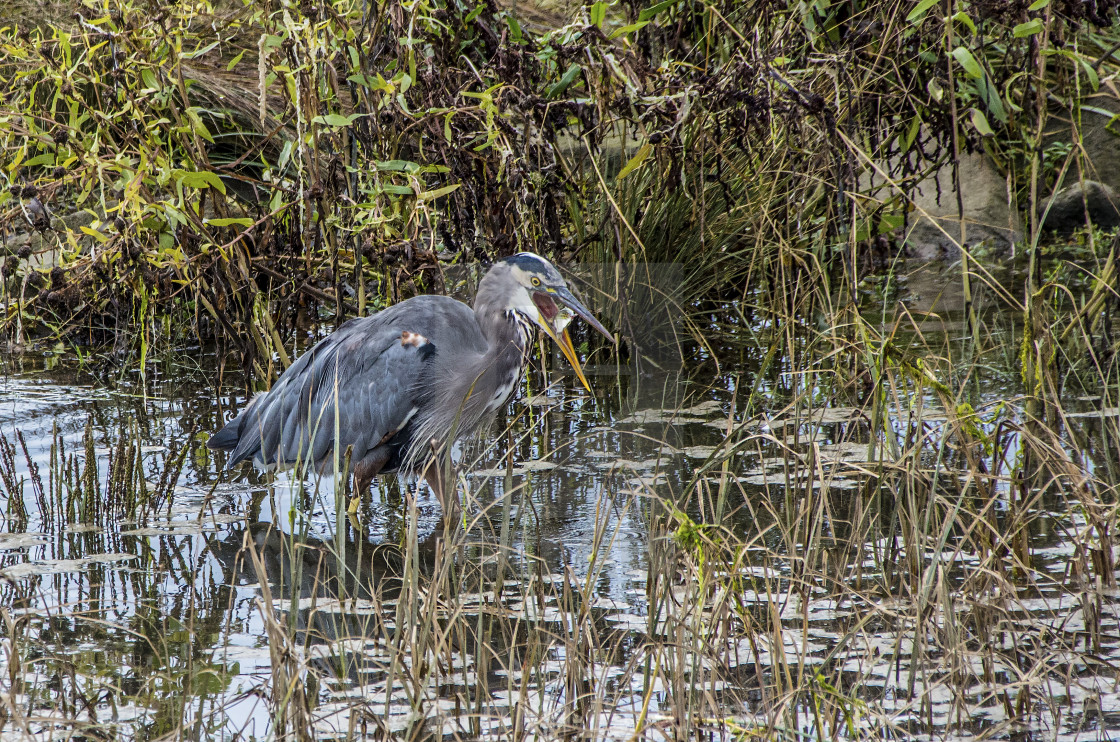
215,170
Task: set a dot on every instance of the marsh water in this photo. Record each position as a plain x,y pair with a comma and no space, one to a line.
164,623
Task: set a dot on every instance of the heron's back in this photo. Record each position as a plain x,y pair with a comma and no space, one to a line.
357,388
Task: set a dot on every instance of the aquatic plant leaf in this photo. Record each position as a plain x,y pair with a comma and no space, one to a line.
9,541
968,62
919,11
635,161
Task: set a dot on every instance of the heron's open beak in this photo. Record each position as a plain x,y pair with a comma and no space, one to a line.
554,323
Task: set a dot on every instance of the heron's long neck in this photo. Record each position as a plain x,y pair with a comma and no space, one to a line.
508,336
464,397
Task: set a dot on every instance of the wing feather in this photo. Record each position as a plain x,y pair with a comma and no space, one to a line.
363,370
377,371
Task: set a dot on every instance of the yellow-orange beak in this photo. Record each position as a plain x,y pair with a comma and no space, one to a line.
565,343
559,331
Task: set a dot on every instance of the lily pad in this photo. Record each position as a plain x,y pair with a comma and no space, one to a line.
56,566
10,541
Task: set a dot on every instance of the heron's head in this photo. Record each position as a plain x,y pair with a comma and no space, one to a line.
535,289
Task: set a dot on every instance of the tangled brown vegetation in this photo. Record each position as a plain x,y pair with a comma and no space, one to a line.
229,171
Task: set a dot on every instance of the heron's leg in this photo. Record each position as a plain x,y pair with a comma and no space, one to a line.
441,479
364,472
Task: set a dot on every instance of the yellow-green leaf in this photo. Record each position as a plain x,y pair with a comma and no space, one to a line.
966,60
919,11
1078,59
439,192
199,52
95,234
980,121
243,221
1091,73
397,166
643,152
597,13
569,77
912,133
47,158
514,28
335,119
233,62
653,10
962,17
197,126
373,83
201,179
629,29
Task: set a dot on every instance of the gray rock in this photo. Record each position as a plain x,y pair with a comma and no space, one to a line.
1096,149
1078,205
15,244
987,211
935,228
1099,139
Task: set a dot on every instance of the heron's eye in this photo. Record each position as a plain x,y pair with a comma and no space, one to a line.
535,281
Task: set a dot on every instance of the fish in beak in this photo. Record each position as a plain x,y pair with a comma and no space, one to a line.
554,321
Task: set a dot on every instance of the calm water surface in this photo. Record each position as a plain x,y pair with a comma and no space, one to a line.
157,626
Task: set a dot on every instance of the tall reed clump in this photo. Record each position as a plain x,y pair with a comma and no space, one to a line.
778,174
75,558
218,171
819,576
74,490
768,145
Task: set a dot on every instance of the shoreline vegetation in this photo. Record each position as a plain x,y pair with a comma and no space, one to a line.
210,172
871,504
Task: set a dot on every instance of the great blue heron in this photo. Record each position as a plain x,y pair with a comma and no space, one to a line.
398,386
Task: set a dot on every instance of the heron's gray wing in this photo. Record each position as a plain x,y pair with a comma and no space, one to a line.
357,382
363,394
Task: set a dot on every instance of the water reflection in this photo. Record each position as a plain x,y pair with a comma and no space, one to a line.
164,614
665,544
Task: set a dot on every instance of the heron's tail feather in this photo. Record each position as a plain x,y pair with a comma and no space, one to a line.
241,435
226,438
